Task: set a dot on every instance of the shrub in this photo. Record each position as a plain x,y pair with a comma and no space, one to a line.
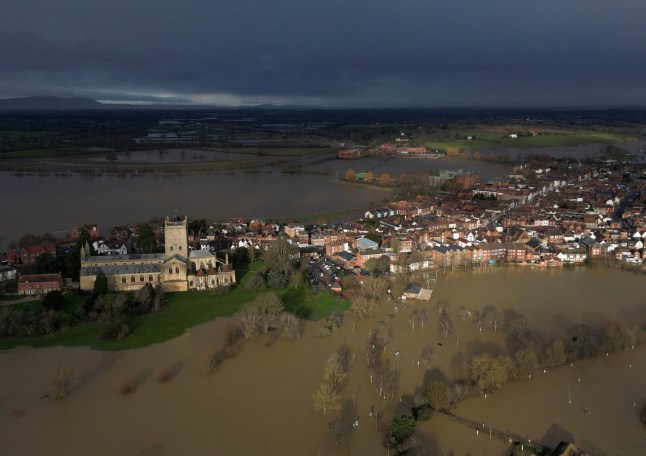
53,300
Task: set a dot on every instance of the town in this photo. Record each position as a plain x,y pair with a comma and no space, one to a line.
543,215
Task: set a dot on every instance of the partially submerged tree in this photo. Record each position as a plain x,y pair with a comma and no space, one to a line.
490,373
62,382
326,398
445,324
437,395
290,326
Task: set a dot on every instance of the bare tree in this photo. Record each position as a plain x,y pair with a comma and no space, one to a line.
464,313
442,306
290,326
525,364
412,318
554,354
248,317
363,308
373,287
437,395
445,324
326,398
337,430
62,382
515,323
490,373
270,308
422,316
334,372
427,356
491,317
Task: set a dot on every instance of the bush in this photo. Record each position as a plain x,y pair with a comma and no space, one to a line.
53,300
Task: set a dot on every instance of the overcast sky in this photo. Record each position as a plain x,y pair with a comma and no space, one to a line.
515,53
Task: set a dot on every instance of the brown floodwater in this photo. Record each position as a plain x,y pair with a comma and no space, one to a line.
38,204
259,403
396,166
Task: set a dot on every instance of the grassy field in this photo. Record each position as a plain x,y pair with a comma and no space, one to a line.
488,139
182,311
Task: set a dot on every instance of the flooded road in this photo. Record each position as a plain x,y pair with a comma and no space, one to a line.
259,403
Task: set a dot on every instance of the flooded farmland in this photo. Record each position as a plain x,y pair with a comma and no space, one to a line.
259,403
37,204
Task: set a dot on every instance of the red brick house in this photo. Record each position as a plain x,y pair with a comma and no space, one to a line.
39,284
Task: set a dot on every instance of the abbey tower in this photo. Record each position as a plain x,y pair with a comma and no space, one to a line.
176,237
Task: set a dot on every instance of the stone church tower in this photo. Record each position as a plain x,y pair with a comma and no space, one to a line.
176,237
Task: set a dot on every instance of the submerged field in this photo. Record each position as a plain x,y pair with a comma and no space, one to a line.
259,402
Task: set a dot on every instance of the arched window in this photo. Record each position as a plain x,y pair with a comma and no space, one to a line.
150,278
171,248
123,280
141,278
170,270
132,278
176,270
180,248
212,282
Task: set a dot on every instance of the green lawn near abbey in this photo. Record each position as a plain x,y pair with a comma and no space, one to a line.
181,312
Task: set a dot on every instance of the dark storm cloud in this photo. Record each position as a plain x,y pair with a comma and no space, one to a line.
352,52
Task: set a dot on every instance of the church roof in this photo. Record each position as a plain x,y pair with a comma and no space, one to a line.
177,256
145,268
200,254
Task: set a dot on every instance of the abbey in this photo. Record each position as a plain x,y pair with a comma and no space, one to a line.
177,269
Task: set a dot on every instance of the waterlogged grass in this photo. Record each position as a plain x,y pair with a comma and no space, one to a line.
181,312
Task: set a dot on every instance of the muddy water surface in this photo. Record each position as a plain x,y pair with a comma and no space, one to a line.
259,403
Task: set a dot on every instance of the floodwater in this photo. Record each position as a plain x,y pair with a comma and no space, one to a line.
397,166
166,156
259,403
38,204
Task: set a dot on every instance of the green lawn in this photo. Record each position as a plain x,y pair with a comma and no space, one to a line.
182,311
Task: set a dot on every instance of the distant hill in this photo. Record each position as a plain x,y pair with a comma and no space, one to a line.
43,103
54,103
